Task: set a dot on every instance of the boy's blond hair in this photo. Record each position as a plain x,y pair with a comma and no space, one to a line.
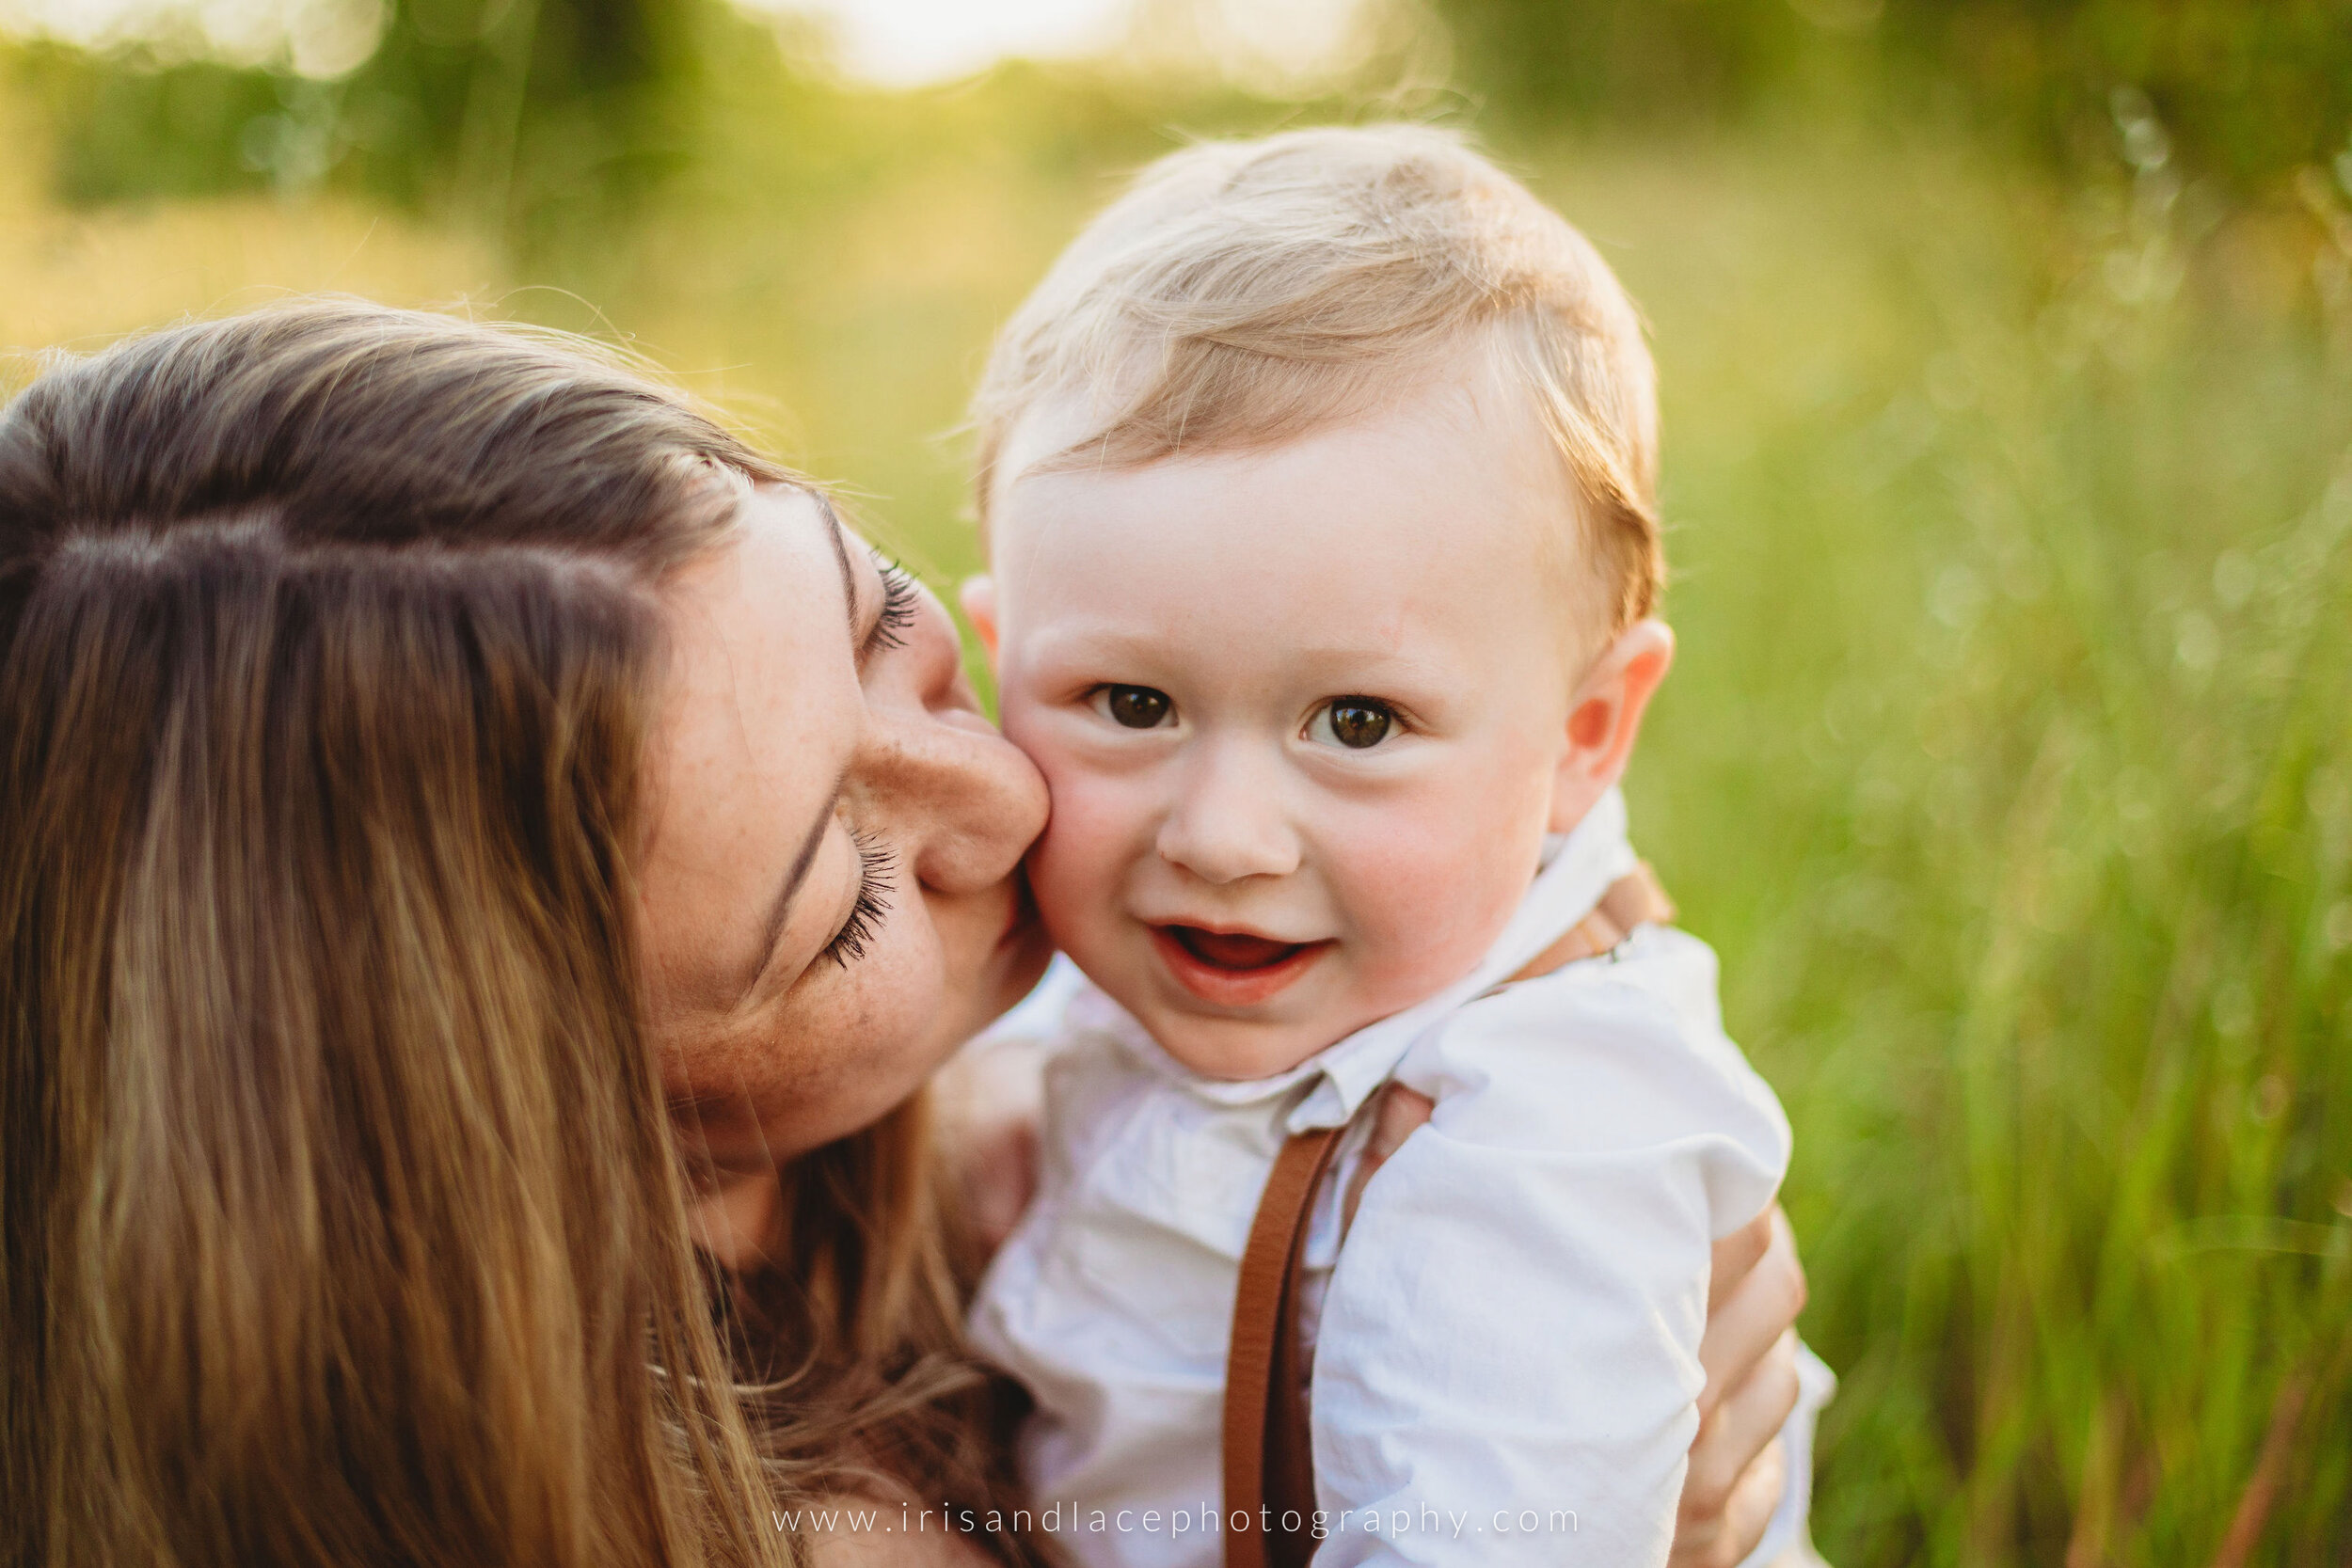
1245,293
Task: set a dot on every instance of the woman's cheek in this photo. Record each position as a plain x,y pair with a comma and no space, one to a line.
883,1019
977,968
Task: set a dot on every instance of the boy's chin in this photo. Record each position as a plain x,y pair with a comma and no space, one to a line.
1233,1050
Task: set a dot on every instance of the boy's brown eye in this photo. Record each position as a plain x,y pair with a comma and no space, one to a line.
1358,724
1137,707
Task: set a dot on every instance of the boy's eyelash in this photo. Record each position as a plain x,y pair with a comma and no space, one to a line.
875,863
899,609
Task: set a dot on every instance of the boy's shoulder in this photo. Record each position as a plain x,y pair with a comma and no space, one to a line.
1609,1053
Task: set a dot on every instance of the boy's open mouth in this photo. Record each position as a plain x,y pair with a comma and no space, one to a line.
1232,968
1231,949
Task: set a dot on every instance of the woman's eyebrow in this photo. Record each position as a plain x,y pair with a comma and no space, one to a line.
833,532
861,644
780,910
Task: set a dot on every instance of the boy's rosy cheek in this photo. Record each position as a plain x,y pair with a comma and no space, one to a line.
1076,865
1087,805
1418,933
1423,921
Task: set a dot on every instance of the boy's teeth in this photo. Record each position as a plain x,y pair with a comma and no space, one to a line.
1235,951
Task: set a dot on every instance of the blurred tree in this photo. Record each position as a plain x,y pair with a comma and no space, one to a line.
530,118
2246,91
529,113
155,132
1584,62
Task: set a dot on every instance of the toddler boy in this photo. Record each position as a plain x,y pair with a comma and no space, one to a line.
1319,481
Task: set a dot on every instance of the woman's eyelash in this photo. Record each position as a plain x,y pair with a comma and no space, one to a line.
875,864
898,607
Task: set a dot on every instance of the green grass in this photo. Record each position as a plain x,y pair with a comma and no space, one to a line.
2006,762
2008,767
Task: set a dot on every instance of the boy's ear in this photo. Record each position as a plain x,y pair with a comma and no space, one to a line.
979,597
1605,718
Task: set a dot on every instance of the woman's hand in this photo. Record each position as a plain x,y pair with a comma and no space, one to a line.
1749,1353
989,1099
996,1169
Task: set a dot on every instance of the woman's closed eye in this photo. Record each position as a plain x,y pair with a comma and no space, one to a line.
1356,723
1134,708
875,864
899,607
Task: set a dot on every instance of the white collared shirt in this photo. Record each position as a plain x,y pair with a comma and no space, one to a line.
1510,1332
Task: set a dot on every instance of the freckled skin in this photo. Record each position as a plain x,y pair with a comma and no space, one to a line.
1400,558
769,1047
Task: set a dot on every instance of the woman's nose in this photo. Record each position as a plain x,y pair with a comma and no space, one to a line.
961,803
1228,819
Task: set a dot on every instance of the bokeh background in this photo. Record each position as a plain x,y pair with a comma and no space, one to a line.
2007,353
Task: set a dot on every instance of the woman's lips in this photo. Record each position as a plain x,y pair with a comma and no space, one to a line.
1233,968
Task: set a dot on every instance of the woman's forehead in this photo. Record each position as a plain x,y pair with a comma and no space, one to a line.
759,623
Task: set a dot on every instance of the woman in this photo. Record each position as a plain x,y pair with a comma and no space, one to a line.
487,862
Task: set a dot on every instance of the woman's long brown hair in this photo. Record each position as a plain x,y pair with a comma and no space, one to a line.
344,1220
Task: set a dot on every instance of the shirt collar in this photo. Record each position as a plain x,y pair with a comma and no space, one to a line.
1576,869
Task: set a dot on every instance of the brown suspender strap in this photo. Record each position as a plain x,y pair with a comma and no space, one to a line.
1268,1455
1636,898
1269,1449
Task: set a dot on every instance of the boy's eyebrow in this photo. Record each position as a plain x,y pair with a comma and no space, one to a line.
1093,637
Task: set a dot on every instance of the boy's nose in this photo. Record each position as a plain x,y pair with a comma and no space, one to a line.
1227,820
